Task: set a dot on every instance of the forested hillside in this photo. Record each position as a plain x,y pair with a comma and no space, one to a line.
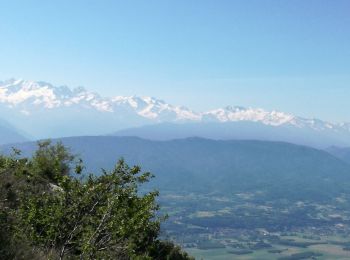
228,167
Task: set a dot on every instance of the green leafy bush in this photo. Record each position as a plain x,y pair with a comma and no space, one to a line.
51,210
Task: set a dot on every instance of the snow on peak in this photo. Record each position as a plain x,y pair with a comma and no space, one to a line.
18,91
229,114
27,96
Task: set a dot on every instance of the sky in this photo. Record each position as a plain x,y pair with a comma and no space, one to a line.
293,56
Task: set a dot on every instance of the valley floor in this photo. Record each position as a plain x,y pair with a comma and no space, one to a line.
243,227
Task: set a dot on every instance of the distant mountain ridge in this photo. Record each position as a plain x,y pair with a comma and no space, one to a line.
342,153
31,95
278,170
44,110
241,130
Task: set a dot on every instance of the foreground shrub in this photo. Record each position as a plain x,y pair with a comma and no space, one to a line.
52,211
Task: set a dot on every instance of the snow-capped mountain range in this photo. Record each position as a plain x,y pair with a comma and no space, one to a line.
29,96
44,110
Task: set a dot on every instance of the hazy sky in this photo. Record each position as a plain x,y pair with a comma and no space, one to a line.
290,55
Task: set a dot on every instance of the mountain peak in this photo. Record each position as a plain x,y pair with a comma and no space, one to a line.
27,97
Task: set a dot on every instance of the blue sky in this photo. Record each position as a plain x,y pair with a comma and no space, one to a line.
292,56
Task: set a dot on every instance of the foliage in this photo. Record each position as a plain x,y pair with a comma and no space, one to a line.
48,207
